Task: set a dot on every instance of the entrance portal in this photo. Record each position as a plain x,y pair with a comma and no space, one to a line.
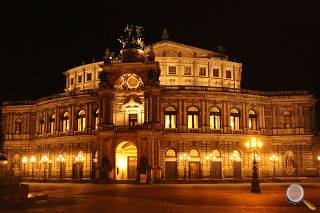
126,161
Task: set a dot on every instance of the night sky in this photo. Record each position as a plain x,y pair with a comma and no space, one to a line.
278,43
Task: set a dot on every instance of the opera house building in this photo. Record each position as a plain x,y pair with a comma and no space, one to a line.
167,110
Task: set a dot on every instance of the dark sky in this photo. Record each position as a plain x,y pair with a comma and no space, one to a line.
278,43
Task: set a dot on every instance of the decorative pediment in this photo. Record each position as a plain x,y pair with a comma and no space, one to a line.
174,49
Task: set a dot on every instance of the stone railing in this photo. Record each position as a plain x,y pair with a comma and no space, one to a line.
234,90
51,97
127,128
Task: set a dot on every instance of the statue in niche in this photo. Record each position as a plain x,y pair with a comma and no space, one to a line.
289,159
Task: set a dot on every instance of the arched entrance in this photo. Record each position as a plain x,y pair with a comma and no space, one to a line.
171,164
236,158
194,165
126,161
216,164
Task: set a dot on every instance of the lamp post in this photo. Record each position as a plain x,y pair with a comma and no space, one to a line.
32,160
79,160
254,146
60,159
274,158
24,162
45,160
185,158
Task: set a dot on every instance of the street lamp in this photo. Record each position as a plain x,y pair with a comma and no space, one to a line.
79,159
254,146
45,160
274,158
32,160
24,162
184,158
60,159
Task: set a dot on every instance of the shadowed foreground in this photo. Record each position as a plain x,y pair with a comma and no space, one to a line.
166,198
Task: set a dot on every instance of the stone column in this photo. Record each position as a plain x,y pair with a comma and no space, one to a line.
146,108
180,115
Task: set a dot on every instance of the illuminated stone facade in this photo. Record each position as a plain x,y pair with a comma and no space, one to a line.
182,109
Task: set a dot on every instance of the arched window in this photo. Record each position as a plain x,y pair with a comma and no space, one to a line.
194,153
96,118
170,153
41,124
193,118
214,118
234,119
81,120
52,121
170,118
236,156
65,122
252,122
287,120
18,126
216,155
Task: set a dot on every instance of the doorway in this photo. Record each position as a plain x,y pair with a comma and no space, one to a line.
126,161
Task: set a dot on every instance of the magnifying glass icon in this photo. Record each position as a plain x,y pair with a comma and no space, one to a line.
295,195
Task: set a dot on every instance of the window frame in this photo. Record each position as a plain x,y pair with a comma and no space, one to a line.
169,70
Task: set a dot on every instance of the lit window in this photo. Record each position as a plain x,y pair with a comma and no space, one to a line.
170,117
96,117
79,79
234,119
52,121
172,70
214,118
171,153
202,71
215,72
193,118
65,122
81,120
252,124
228,74
89,76
187,70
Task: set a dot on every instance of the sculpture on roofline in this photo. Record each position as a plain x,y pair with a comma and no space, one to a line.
132,37
132,44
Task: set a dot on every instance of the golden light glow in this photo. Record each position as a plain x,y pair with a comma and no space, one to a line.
185,157
274,157
44,158
318,157
60,158
254,144
79,158
24,159
167,124
122,163
231,123
32,159
235,158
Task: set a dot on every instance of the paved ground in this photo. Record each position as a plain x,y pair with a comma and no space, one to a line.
171,198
